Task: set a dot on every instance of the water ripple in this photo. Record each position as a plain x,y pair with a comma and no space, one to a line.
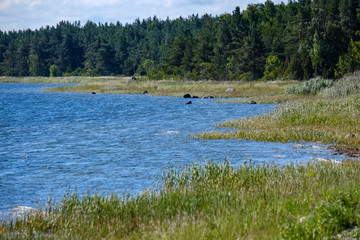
51,143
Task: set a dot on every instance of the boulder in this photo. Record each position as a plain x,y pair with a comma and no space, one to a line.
187,96
189,102
230,90
208,97
93,93
145,92
133,78
251,102
195,97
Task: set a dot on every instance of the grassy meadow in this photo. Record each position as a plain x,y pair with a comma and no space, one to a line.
317,200
212,201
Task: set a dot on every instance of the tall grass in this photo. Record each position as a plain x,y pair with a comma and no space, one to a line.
323,119
211,201
311,87
343,88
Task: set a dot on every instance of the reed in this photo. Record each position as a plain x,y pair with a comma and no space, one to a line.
211,201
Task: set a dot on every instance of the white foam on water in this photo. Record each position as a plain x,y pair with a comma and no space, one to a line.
19,211
170,132
327,160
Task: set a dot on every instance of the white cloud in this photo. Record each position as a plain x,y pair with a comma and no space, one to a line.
33,14
6,4
91,3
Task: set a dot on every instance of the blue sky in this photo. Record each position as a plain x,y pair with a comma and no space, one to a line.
34,14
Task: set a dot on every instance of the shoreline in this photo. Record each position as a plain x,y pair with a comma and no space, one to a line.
242,92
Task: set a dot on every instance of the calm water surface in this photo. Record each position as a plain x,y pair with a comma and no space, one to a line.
52,143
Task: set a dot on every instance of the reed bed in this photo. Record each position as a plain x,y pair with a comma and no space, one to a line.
212,201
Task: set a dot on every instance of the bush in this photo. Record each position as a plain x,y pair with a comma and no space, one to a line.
350,85
54,71
311,87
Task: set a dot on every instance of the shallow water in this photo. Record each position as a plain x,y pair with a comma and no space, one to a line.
52,143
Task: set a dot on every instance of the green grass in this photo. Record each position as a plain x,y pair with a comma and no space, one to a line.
332,116
180,88
272,91
213,201
327,121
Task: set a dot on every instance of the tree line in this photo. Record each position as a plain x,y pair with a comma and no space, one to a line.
297,40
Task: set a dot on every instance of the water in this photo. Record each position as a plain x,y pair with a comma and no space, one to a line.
53,143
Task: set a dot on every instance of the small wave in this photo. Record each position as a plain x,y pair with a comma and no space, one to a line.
327,160
170,132
18,211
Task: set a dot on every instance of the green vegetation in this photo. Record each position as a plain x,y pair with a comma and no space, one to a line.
179,88
311,87
297,40
273,91
332,116
212,201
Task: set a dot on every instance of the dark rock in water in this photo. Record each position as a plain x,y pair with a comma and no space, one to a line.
145,92
93,93
187,96
189,102
251,102
133,78
195,97
208,97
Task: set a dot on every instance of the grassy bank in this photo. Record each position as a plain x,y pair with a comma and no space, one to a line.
273,91
332,115
179,88
215,201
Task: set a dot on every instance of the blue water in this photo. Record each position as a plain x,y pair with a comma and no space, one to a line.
53,143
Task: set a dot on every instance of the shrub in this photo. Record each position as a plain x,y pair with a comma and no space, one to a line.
311,87
350,85
54,71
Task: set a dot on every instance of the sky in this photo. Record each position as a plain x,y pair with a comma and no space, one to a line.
34,14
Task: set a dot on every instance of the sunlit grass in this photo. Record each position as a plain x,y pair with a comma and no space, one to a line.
271,91
211,201
327,121
332,116
179,88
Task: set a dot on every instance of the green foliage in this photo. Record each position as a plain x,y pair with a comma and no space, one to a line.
308,38
272,68
312,86
329,217
54,71
350,61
